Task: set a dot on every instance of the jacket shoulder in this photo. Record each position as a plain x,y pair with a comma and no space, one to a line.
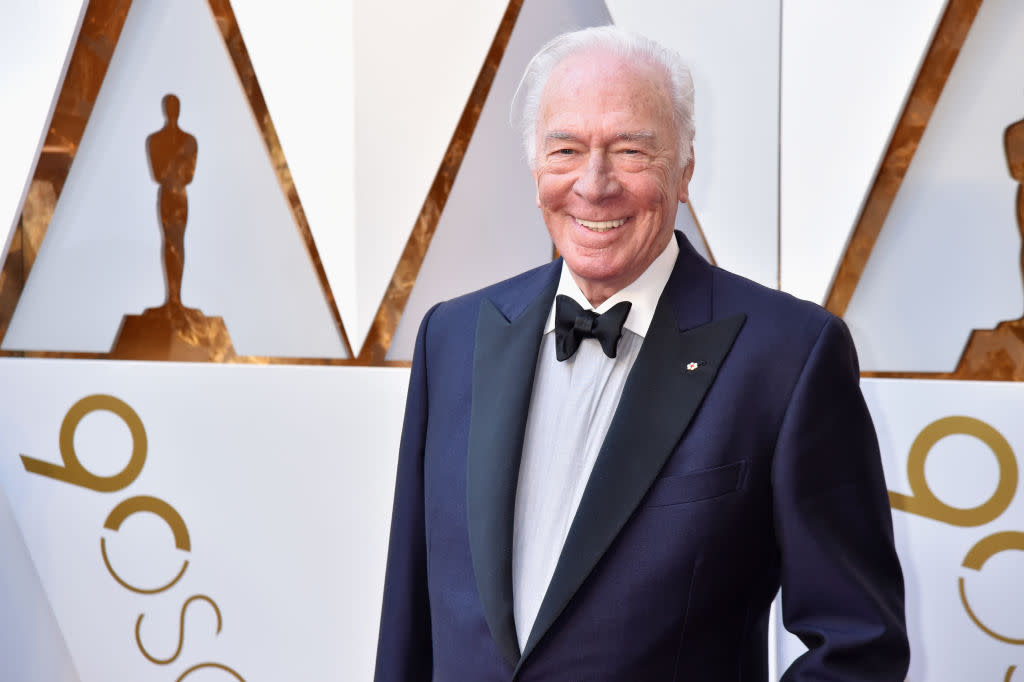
510,296
767,308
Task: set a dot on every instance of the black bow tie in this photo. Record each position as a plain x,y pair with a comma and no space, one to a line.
573,324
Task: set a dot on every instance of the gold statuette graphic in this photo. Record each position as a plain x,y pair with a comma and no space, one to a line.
172,331
999,353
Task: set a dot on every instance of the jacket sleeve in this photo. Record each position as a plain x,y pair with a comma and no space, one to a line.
404,648
842,586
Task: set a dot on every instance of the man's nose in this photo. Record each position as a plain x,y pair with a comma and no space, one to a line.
597,181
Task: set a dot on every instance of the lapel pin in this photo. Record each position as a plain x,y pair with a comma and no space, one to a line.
691,366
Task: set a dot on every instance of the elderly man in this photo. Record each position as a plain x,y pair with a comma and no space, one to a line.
610,464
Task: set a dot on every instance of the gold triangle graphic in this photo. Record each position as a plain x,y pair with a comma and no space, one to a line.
90,58
392,306
94,47
93,50
389,313
931,78
997,354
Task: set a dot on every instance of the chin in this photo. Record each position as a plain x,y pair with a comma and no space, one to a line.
595,273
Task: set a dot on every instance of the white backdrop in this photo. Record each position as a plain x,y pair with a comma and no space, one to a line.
795,101
282,477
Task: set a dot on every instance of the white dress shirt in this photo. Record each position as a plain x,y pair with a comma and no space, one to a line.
571,407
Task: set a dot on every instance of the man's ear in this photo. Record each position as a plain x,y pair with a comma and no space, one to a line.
684,180
533,172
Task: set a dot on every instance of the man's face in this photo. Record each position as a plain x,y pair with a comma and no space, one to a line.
607,168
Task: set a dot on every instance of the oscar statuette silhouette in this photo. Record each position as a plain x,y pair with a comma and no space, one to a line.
999,353
173,331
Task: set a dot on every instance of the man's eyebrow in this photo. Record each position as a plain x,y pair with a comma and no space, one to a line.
637,136
560,135
632,136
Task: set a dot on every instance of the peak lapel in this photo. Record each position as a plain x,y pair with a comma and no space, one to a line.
657,404
504,363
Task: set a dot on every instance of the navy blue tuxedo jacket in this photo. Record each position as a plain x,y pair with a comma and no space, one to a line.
714,487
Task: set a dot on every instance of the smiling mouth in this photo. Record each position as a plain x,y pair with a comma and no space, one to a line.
601,225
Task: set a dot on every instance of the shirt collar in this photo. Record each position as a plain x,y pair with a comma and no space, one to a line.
643,293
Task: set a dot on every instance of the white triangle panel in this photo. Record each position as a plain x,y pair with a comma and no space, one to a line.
244,258
36,39
732,49
846,70
948,259
416,63
491,228
303,55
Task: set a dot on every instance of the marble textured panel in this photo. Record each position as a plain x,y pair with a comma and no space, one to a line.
947,260
931,79
87,68
415,65
491,212
101,27
228,25
36,40
839,103
382,330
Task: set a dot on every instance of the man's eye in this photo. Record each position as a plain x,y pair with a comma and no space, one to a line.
565,152
630,151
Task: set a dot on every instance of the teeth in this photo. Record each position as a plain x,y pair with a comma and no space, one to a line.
601,225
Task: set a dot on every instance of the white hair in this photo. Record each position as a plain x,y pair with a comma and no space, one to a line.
620,42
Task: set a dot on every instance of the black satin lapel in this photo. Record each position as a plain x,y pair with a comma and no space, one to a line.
657,404
504,363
